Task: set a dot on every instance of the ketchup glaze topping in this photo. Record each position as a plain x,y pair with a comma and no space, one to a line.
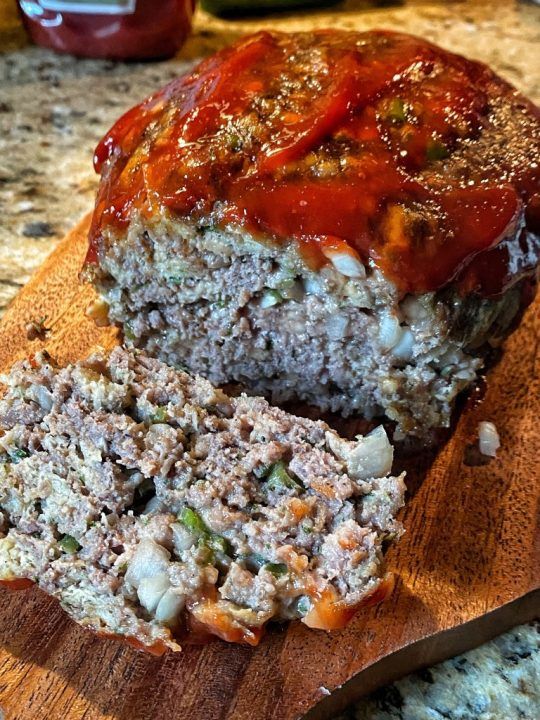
378,143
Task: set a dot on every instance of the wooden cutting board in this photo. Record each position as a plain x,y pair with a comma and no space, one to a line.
468,567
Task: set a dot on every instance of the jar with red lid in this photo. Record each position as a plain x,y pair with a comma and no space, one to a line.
116,29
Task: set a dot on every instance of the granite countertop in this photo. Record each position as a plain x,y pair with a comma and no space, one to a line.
54,109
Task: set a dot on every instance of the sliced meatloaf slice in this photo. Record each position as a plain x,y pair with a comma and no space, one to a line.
348,219
152,505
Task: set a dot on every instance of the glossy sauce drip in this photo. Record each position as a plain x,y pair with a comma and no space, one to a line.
328,137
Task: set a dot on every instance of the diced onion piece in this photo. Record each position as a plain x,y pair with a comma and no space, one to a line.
466,374
160,430
152,506
149,560
170,606
370,457
346,263
403,348
343,257
488,438
337,326
183,539
152,589
270,298
358,293
91,453
313,286
390,332
414,309
42,396
375,453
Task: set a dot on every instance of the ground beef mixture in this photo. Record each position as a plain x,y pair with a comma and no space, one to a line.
154,506
347,219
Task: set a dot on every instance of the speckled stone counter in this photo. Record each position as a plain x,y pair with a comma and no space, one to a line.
53,110
498,681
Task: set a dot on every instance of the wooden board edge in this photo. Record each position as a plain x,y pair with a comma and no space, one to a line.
427,652
47,266
55,294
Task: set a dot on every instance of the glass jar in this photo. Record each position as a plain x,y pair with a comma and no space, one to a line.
116,29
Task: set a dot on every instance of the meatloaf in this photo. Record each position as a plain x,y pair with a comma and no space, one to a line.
349,219
153,506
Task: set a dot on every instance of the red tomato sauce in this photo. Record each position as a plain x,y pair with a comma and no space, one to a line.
328,137
17,583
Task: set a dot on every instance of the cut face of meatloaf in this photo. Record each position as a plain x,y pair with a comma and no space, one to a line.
348,219
154,506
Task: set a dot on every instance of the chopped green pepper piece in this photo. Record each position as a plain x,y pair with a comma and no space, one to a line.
219,544
271,297
193,521
206,553
176,279
18,454
436,150
277,569
234,142
278,478
159,415
128,332
396,111
253,562
69,544
214,542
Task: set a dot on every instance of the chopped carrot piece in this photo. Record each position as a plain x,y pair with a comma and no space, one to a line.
324,489
328,613
298,508
157,648
218,622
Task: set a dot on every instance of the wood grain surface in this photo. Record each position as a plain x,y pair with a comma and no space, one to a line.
467,568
